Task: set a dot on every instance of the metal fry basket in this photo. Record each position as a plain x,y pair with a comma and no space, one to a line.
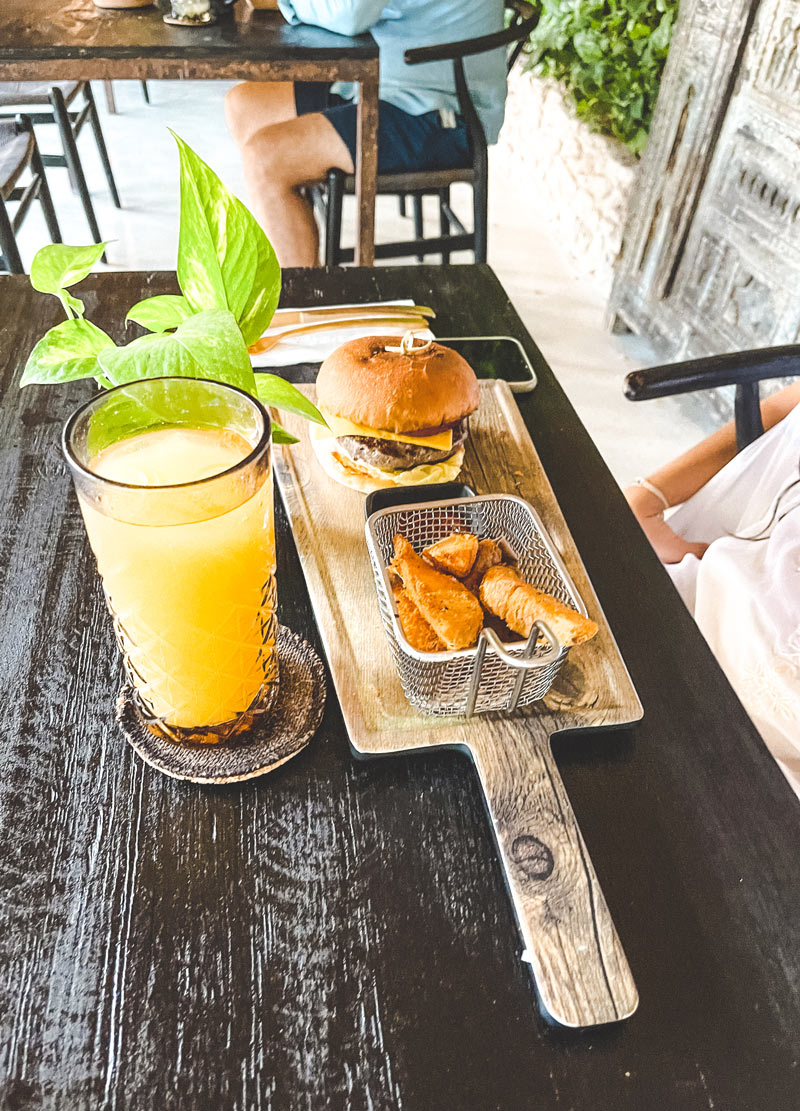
492,675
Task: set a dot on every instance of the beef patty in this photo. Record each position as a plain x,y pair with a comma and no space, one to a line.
394,456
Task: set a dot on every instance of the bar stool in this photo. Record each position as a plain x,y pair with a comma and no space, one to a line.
18,151
59,97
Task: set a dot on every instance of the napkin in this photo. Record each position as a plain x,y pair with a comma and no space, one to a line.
316,346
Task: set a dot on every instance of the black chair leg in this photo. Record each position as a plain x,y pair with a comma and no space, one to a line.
401,203
416,202
73,161
145,92
49,211
480,207
747,409
8,243
43,192
333,217
111,102
444,220
101,144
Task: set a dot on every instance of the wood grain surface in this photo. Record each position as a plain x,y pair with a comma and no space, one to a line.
338,934
581,972
327,521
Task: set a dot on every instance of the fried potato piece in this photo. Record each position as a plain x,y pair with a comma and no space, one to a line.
519,604
489,554
415,628
453,613
454,555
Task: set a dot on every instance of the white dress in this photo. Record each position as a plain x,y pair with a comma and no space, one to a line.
745,594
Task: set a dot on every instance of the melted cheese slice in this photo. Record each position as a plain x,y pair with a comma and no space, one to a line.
338,426
364,477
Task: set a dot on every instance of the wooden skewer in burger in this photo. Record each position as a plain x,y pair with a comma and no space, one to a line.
397,414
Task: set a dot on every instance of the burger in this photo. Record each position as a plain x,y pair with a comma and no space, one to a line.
397,412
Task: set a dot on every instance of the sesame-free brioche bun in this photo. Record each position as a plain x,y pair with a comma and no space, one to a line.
368,384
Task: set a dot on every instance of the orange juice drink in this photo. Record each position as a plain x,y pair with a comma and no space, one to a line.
184,538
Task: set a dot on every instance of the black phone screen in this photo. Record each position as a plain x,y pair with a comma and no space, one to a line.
501,357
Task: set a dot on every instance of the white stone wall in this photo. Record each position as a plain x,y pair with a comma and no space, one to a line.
578,180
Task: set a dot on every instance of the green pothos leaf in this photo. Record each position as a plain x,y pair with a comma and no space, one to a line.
281,436
66,352
207,345
158,314
57,266
272,390
225,260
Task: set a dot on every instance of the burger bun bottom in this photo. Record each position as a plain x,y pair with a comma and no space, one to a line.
366,478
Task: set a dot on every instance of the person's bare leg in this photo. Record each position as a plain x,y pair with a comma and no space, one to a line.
279,159
256,104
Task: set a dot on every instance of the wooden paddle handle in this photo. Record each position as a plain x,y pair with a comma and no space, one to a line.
580,969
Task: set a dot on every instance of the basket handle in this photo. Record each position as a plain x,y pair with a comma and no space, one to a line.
524,662
578,962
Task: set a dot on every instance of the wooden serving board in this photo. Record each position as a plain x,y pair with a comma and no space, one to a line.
580,968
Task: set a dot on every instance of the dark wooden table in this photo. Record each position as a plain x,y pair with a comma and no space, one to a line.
337,934
72,40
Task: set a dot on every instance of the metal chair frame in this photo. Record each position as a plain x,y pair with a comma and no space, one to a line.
453,236
742,369
70,124
37,188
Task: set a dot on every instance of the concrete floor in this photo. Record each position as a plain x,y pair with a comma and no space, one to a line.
563,310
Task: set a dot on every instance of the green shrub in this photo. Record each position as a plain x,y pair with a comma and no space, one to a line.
609,55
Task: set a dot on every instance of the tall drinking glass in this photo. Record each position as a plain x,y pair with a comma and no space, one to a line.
174,480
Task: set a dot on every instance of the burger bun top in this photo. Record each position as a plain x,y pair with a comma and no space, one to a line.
426,387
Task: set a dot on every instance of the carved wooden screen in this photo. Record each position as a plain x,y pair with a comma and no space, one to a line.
665,257
738,284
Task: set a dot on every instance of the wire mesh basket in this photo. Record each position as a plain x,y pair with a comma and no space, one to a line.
492,675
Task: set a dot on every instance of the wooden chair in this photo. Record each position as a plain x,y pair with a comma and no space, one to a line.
18,152
742,369
436,183
59,97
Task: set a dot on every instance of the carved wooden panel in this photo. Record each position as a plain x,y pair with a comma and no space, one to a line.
696,89
737,280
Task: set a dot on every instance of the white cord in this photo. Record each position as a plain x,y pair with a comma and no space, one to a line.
653,489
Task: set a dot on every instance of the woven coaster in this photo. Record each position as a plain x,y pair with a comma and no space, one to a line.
289,726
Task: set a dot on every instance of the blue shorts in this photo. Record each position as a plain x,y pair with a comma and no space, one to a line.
406,144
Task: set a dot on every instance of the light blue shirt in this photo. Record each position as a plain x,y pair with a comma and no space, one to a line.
400,25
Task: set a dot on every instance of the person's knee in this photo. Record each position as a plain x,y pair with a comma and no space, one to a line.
271,156
293,153
237,101
253,105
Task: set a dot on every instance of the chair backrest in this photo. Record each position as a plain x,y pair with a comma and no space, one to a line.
14,156
8,131
742,369
523,19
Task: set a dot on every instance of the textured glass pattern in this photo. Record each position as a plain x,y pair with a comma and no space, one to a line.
236,682
192,601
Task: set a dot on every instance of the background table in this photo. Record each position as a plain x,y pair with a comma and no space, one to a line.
337,934
72,40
